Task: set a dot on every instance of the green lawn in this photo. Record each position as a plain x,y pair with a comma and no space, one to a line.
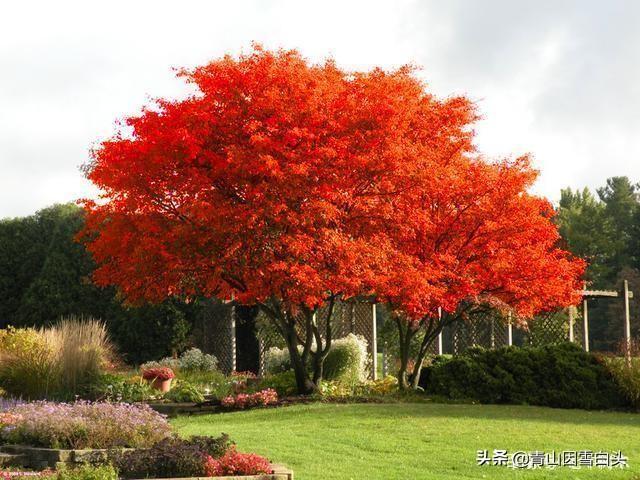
420,441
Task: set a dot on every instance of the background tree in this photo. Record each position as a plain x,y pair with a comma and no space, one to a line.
45,274
606,231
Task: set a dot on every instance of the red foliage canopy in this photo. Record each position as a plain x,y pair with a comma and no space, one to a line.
283,179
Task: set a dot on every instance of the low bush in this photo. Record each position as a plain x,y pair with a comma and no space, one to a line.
555,376
83,425
236,463
184,392
87,472
283,383
171,457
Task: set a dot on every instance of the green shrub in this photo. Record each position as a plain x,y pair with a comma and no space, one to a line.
184,392
27,364
628,377
347,360
276,360
88,472
556,376
284,383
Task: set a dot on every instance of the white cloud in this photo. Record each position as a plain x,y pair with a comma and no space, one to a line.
558,79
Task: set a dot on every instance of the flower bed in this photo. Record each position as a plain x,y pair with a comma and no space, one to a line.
249,400
83,425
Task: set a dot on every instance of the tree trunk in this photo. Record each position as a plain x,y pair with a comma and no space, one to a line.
406,334
304,384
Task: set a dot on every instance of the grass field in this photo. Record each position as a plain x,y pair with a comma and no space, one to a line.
420,441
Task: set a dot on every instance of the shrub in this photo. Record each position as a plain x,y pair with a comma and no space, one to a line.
235,463
248,400
347,360
27,363
167,362
162,373
171,457
192,360
83,425
382,386
627,376
276,360
283,383
184,392
88,472
555,376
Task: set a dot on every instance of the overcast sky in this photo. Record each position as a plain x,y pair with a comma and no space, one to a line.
558,79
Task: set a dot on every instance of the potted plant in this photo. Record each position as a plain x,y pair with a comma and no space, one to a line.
160,378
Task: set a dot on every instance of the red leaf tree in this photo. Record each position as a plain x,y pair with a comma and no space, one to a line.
469,238
290,185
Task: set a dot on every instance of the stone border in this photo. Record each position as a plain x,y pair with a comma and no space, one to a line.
280,472
42,458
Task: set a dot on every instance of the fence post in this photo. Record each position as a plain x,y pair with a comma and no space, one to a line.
571,321
374,342
509,330
627,324
440,352
585,320
384,360
233,338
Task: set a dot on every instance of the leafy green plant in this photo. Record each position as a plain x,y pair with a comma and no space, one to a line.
184,392
213,382
120,388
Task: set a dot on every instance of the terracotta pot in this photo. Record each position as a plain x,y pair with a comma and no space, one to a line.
163,385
